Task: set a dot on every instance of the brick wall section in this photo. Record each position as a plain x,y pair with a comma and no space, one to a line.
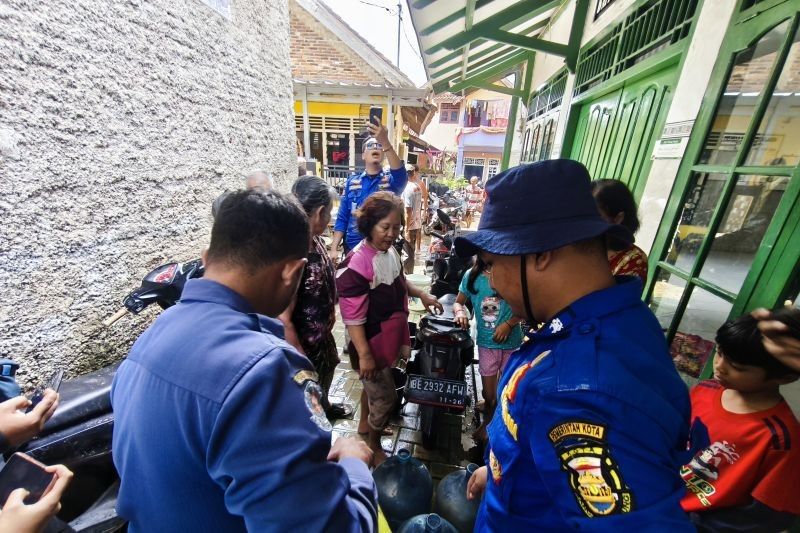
317,54
120,122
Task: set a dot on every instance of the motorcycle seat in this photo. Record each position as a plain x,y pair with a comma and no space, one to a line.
82,398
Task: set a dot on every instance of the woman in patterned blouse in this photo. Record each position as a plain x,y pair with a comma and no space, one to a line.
309,320
617,205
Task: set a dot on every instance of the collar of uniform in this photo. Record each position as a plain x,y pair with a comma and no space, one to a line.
627,292
206,290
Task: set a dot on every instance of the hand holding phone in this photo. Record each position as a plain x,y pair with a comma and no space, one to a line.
19,516
18,426
375,127
54,383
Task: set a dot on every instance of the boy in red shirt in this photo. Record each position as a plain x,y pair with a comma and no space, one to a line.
747,479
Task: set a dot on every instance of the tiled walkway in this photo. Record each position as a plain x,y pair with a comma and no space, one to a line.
455,447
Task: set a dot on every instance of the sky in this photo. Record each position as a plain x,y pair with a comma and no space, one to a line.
376,21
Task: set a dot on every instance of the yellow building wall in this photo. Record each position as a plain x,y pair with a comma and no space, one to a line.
333,109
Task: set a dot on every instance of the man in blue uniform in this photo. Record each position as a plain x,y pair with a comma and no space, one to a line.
360,186
593,419
219,425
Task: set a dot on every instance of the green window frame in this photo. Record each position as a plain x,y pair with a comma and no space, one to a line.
773,273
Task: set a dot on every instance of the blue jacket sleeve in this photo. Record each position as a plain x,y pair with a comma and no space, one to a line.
343,215
601,463
270,458
398,180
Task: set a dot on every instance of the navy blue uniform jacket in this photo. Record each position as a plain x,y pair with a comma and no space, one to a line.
218,428
591,426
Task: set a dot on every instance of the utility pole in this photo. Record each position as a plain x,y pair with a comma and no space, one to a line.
399,22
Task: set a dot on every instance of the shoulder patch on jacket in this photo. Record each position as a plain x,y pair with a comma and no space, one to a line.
301,376
594,477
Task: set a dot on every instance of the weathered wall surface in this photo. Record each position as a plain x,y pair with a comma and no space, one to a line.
120,122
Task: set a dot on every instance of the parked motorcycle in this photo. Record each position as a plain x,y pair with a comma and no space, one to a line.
439,367
445,267
454,207
79,433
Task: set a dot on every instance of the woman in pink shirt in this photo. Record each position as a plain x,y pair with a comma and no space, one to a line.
373,299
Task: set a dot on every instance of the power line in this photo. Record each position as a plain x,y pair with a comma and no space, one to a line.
391,11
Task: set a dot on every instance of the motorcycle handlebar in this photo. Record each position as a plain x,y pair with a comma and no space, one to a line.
437,235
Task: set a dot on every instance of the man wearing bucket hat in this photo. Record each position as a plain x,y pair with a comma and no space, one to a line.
594,419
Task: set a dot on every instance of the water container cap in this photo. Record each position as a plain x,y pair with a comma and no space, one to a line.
471,468
403,455
433,522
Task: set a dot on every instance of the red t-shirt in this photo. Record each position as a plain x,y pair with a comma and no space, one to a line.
752,455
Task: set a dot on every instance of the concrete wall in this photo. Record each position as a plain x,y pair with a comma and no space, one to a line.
120,122
442,136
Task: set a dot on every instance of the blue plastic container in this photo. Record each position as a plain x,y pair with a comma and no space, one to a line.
405,488
427,523
452,503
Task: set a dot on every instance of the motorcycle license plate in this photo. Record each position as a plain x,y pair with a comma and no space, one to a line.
436,391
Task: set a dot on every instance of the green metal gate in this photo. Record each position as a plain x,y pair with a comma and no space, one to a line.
729,238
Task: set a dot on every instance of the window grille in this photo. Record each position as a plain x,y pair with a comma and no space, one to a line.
647,30
549,97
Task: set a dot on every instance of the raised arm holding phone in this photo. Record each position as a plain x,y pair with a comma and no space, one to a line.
360,186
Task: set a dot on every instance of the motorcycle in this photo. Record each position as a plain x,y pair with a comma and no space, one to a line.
437,378
449,204
79,433
444,267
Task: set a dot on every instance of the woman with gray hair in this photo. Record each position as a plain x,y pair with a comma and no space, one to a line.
309,320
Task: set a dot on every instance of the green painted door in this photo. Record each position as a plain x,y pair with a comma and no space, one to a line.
616,132
595,127
729,238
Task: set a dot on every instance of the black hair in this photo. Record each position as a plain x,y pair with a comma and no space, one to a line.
377,207
215,205
313,192
614,197
255,229
741,342
478,267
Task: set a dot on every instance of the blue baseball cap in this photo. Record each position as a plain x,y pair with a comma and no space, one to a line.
538,207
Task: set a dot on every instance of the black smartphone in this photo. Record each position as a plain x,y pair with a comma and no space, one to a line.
53,383
376,115
24,472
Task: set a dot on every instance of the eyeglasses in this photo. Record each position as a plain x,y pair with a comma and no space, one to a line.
373,145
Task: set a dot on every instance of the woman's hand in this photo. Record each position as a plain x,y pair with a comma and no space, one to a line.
430,301
462,320
17,517
477,484
366,366
501,332
17,425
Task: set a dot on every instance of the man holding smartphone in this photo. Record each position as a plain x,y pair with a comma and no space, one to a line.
360,186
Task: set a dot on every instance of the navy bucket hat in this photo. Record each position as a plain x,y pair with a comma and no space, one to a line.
538,207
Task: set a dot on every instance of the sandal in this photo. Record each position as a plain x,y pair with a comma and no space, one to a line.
339,410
